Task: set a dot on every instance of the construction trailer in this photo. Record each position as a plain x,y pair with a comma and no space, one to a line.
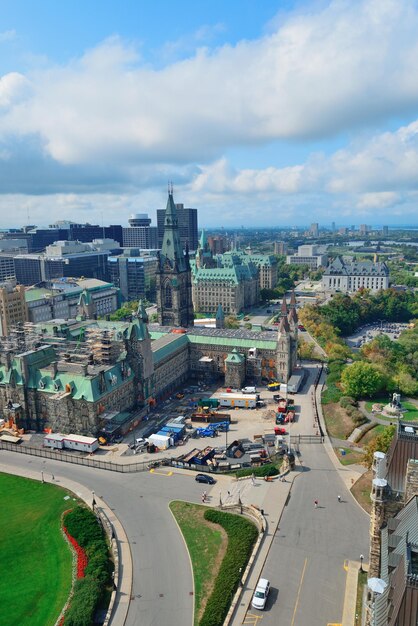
240,400
71,442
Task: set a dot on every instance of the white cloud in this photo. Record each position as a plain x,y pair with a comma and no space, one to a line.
13,88
378,200
318,74
7,35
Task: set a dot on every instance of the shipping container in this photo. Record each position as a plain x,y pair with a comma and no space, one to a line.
245,401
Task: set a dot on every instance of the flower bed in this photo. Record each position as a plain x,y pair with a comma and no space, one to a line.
81,556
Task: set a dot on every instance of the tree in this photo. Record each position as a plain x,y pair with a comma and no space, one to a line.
362,379
380,443
231,322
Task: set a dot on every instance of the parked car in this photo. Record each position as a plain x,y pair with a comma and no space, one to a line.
205,478
260,594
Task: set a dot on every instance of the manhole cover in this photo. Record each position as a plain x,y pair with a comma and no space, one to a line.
161,595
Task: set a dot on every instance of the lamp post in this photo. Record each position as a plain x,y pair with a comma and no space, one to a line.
361,563
93,500
42,477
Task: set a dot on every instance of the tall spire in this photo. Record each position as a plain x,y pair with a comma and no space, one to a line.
142,313
283,309
292,303
172,251
284,327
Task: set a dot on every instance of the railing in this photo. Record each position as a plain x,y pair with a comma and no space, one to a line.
65,457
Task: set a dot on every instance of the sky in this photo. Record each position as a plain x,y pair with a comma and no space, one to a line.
272,113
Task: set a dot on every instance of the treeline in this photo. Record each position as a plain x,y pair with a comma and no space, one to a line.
382,365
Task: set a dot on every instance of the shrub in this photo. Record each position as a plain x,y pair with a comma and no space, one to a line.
346,401
83,603
84,527
242,535
270,469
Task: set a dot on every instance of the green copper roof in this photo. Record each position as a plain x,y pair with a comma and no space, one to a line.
234,357
232,342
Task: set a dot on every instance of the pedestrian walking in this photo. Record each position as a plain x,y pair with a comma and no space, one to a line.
53,477
203,498
339,498
229,494
316,503
253,479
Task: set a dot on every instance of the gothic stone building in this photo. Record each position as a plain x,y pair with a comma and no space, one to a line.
392,598
71,376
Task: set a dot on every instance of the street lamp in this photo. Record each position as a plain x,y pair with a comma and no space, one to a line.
94,501
361,563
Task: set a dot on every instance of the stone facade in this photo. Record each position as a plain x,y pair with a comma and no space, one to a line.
174,284
350,276
235,370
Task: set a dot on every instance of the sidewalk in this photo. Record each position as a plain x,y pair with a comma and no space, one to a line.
124,584
271,498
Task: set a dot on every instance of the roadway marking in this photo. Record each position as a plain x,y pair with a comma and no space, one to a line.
299,590
166,474
253,619
345,566
334,624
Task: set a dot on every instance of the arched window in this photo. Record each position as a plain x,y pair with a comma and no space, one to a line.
168,296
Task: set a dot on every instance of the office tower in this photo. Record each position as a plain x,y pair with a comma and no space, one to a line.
187,225
13,308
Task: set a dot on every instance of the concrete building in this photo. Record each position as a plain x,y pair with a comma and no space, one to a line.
13,308
314,229
307,255
66,258
280,247
134,274
60,300
392,598
187,227
350,276
218,244
140,233
7,268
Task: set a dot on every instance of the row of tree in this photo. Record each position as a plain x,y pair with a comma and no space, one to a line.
382,365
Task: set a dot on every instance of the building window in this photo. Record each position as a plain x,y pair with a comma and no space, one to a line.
168,296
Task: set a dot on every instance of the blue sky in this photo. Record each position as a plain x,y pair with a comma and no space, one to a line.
262,113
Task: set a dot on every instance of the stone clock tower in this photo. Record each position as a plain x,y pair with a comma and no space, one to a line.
174,278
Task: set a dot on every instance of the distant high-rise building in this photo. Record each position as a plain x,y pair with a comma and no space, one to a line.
187,226
12,307
314,229
139,219
333,228
134,275
364,229
218,244
140,237
385,231
280,247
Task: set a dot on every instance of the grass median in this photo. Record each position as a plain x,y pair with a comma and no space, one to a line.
34,556
220,545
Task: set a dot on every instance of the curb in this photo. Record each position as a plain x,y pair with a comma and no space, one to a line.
187,550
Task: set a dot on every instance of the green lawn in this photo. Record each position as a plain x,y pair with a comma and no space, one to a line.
35,560
411,415
350,456
207,545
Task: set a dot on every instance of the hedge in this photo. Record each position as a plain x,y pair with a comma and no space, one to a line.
83,525
242,535
269,469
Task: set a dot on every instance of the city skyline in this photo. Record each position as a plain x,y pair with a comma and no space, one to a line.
284,113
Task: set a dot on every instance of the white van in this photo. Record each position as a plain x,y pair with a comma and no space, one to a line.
249,390
260,594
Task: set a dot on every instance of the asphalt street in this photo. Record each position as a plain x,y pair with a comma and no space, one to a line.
305,564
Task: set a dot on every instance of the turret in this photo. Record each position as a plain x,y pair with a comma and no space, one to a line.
283,309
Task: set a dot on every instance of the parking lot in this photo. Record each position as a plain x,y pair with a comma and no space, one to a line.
366,333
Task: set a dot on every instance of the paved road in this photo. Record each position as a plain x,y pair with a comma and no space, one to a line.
162,575
306,561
